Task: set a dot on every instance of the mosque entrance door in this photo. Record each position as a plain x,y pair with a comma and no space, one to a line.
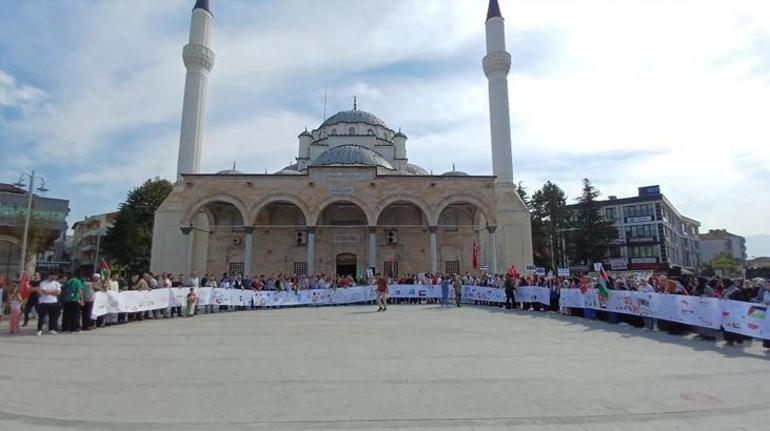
346,264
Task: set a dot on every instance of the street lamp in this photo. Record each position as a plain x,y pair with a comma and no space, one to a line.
41,188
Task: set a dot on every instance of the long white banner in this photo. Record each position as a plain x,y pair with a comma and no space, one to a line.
740,317
744,318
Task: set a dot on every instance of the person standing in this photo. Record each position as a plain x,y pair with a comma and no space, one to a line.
31,303
89,296
48,304
72,301
192,299
15,301
510,285
382,292
445,291
457,284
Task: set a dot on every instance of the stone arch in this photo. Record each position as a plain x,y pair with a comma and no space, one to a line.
412,199
220,197
280,197
11,239
463,198
319,209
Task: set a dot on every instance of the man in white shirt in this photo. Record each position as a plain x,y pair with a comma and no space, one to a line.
48,304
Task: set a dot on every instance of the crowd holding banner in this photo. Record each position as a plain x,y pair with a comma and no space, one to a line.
744,318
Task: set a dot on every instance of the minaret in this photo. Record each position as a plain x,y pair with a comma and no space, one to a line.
497,64
198,59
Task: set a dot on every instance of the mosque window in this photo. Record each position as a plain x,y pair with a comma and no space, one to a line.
300,268
390,268
352,131
370,132
452,266
334,132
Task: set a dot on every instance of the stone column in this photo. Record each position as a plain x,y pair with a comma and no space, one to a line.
187,231
310,250
493,246
248,243
433,252
373,248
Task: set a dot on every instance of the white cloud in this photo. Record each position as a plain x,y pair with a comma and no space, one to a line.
674,93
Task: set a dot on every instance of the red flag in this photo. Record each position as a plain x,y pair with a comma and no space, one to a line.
513,272
475,255
24,285
104,265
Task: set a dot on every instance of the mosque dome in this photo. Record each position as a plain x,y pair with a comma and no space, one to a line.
415,170
354,116
454,173
351,155
288,172
230,172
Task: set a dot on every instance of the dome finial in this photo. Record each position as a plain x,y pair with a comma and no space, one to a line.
355,103
233,165
453,167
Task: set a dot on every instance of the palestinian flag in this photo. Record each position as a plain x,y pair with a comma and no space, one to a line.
104,270
604,281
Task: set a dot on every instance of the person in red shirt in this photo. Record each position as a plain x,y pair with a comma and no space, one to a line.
382,292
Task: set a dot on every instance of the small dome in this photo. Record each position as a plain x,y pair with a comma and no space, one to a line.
354,116
305,133
454,174
415,170
288,172
399,134
230,172
351,155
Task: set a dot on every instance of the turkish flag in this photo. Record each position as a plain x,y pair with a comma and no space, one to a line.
475,255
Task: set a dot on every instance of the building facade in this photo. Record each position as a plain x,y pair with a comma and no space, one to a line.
87,238
351,202
48,223
651,233
720,241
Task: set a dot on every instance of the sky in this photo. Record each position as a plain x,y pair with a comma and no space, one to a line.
626,93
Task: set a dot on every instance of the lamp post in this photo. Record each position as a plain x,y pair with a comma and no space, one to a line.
42,188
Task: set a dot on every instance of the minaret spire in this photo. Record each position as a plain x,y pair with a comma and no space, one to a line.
497,64
493,10
202,4
198,59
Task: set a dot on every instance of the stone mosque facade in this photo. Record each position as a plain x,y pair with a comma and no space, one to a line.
351,202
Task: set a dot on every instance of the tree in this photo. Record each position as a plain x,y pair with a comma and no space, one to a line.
723,263
591,234
549,212
129,241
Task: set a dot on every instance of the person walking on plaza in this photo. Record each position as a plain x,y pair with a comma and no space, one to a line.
445,291
72,301
31,303
382,291
15,301
48,304
457,284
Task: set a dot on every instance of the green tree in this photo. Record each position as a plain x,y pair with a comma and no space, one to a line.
549,209
129,241
723,263
39,238
591,234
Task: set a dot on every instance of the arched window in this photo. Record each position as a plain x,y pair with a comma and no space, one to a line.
352,131
370,132
334,132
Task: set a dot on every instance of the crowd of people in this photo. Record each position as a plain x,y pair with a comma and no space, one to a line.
71,298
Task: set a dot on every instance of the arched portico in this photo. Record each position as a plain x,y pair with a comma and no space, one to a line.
399,242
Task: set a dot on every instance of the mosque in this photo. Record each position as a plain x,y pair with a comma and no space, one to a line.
351,202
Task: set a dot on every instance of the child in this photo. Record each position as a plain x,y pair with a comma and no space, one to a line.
192,298
15,301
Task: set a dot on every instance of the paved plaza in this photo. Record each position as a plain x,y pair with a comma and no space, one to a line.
349,367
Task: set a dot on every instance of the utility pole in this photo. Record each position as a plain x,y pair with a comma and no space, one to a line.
42,188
